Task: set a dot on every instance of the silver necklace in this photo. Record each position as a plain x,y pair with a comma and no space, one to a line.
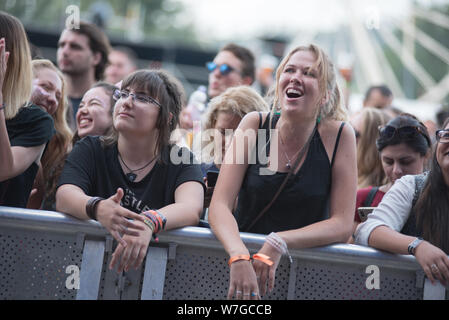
288,165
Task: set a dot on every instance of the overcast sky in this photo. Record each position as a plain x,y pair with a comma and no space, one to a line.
239,19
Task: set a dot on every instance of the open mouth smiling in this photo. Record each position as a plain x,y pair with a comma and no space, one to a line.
293,93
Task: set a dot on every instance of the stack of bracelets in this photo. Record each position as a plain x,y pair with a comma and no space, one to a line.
155,221
275,241
279,244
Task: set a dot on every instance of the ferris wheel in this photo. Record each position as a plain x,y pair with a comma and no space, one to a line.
360,54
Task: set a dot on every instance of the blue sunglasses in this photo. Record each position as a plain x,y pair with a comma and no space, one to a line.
224,68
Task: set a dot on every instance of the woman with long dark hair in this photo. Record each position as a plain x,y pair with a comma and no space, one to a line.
424,225
134,172
404,147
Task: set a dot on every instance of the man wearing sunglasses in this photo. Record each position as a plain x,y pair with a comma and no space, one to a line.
232,66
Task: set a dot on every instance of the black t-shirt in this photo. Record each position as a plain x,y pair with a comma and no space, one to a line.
31,127
96,170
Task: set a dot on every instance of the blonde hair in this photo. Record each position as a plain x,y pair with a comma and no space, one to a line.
369,165
60,143
237,101
18,78
327,84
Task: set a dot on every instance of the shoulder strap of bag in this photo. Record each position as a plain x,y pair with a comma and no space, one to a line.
284,182
370,197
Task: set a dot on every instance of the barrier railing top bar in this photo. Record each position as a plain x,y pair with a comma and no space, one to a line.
51,221
347,253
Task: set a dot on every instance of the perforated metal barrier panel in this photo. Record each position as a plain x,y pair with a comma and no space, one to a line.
328,281
33,264
37,248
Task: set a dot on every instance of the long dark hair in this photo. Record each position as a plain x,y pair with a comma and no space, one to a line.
432,207
419,142
166,89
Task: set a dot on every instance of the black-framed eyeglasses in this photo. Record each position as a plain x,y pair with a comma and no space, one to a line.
223,68
138,97
442,136
407,132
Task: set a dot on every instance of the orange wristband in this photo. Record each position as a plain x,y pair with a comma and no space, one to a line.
264,258
239,257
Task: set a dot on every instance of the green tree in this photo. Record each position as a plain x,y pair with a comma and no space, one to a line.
148,19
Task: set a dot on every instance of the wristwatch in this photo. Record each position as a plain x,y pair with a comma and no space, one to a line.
413,245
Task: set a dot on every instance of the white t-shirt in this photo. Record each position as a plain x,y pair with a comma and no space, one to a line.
393,211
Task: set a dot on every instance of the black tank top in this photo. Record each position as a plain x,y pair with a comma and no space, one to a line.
304,199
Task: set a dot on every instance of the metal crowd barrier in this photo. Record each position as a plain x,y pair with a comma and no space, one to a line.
48,255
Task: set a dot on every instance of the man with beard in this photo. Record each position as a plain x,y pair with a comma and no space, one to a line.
82,56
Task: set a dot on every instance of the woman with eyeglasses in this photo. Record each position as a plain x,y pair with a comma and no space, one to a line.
426,216
293,170
134,181
403,146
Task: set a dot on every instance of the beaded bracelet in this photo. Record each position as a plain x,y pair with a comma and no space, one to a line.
279,244
149,223
158,219
3,106
151,218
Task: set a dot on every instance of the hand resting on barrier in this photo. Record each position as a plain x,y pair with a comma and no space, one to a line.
132,255
115,218
72,200
265,273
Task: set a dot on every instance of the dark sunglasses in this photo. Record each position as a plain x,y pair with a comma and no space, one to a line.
442,136
388,132
224,68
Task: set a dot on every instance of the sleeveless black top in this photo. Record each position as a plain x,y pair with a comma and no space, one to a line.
304,199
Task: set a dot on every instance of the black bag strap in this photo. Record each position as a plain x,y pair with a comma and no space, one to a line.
370,197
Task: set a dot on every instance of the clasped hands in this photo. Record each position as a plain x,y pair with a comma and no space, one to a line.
253,279
133,236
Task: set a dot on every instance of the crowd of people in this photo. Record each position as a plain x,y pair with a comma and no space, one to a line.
91,137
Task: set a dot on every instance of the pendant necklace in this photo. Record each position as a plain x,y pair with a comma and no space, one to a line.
131,175
288,165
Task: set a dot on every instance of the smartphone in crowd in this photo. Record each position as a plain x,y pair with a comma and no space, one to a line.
364,212
212,176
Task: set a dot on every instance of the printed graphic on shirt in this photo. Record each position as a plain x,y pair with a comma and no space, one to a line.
131,202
